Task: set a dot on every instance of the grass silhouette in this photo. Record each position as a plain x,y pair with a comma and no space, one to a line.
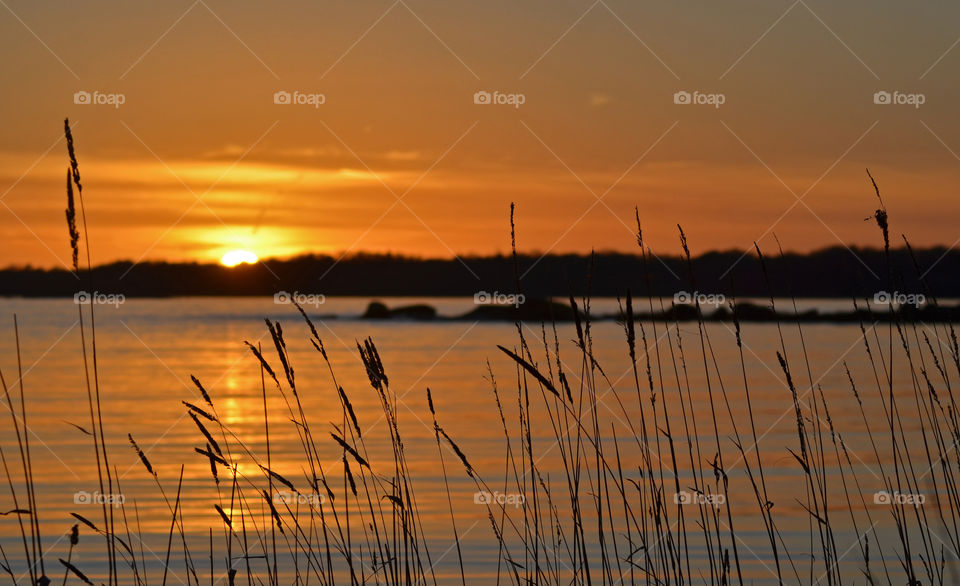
650,502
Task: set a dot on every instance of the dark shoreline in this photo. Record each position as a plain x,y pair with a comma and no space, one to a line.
546,310
829,273
540,310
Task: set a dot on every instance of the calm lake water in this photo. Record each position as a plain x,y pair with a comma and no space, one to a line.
147,350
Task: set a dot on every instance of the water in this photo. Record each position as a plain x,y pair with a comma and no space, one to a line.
147,350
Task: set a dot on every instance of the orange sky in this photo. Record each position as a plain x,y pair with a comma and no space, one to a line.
199,160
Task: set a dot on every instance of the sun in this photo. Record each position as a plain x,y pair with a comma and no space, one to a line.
238,257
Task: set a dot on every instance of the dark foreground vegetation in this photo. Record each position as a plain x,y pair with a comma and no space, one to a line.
609,518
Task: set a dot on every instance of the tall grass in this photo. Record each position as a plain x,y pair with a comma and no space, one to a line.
651,482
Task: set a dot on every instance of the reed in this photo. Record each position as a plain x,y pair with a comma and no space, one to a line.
653,477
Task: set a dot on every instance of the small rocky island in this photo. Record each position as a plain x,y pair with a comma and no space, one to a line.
549,310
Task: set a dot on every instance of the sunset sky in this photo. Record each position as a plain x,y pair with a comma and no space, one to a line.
199,160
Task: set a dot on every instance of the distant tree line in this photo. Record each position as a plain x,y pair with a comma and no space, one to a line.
832,272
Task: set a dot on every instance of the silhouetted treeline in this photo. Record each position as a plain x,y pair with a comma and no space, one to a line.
832,272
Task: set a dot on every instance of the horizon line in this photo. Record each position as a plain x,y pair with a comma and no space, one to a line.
400,256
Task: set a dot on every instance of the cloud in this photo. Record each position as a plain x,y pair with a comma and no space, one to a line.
228,150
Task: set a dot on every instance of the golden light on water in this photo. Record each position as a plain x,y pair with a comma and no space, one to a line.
238,257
